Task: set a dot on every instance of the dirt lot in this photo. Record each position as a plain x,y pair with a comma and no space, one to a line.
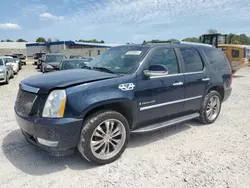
186,155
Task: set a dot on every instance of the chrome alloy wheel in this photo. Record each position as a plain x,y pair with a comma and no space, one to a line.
213,108
108,139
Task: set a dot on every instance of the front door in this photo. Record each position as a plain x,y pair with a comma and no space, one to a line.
160,96
196,77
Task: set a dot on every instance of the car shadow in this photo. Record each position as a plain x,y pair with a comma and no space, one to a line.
35,162
138,140
238,76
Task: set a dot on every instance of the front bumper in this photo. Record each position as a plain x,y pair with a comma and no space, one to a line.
65,131
2,77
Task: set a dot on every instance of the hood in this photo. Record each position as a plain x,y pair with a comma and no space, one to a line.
65,78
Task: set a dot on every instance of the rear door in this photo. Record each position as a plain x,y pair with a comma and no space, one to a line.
196,78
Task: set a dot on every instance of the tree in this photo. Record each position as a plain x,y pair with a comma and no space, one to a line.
49,40
21,40
212,31
2,40
40,39
8,40
192,39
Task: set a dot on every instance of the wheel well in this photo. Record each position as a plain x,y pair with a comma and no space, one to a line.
121,107
219,89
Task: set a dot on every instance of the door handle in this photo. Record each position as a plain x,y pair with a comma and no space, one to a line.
177,83
205,79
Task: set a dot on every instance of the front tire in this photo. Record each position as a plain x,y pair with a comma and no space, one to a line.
104,137
211,107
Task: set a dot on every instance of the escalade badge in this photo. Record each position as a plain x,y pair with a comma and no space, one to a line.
126,87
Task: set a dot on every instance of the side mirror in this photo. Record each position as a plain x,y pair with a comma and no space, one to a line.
156,70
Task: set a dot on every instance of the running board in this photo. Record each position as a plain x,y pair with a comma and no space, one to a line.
157,126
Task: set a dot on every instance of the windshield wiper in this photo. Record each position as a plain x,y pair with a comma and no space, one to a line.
104,69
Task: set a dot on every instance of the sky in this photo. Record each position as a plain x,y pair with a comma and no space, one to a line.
121,21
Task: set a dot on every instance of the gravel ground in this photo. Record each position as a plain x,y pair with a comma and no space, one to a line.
185,155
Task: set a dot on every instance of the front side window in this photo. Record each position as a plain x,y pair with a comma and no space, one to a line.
1,62
121,59
192,60
235,53
165,57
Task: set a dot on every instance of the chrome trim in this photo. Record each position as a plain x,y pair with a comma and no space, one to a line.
169,75
179,74
169,103
205,79
178,84
188,73
28,88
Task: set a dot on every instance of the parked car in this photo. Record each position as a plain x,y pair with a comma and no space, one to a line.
37,56
51,62
40,60
21,57
73,64
6,71
12,62
127,89
16,58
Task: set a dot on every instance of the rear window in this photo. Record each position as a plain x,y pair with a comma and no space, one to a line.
235,53
192,60
216,58
1,62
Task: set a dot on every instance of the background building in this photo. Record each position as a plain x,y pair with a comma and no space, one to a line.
68,48
8,48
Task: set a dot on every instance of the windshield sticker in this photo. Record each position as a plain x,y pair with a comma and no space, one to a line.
133,53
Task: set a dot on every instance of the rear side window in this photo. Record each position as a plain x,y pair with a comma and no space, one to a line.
215,57
1,62
192,60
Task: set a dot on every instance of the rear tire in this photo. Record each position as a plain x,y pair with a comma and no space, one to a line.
104,137
211,107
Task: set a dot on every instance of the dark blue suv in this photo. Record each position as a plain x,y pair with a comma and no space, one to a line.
127,89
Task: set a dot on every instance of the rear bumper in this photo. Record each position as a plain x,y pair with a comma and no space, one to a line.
227,93
65,131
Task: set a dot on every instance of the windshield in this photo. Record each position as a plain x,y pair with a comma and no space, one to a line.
120,60
54,58
72,64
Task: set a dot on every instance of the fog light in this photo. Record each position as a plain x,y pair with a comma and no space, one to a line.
47,142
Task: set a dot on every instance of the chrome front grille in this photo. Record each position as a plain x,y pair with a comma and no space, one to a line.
25,102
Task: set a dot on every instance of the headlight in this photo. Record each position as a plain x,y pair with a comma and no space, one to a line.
55,104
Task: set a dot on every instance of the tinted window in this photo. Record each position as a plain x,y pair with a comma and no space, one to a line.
1,62
165,57
192,60
214,56
235,53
